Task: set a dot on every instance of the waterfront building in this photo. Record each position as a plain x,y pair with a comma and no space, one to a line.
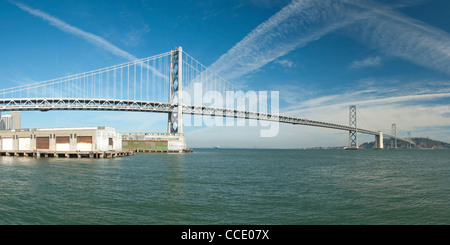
11,121
16,120
5,122
80,139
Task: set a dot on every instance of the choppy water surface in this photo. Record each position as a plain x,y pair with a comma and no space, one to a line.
229,186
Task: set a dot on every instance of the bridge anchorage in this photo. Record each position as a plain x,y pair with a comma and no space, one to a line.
163,84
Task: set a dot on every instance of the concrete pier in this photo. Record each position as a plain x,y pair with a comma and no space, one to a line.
378,141
69,154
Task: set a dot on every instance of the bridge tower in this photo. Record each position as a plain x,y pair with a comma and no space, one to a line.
175,125
394,133
352,134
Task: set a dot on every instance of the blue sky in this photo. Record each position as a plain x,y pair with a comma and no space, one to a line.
390,58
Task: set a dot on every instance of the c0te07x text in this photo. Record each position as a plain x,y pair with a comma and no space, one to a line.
229,234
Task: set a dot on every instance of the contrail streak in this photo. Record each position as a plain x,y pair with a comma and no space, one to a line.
92,38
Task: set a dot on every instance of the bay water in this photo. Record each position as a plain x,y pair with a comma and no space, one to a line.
231,186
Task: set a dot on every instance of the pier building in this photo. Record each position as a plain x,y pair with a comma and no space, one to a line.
65,142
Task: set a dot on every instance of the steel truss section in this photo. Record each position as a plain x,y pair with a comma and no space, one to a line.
83,104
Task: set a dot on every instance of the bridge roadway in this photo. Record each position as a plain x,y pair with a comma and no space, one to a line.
46,104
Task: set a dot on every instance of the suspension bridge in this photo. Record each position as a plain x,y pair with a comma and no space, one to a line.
164,83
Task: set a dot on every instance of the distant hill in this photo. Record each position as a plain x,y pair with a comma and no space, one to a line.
421,143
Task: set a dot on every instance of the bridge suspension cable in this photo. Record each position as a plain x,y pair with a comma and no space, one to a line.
145,79
127,81
360,115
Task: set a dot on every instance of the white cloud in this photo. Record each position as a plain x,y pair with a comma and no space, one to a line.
294,26
404,37
410,112
304,21
135,36
365,98
368,62
285,63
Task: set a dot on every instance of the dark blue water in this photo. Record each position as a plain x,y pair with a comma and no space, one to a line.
224,186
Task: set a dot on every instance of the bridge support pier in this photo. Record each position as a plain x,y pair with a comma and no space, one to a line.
378,141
